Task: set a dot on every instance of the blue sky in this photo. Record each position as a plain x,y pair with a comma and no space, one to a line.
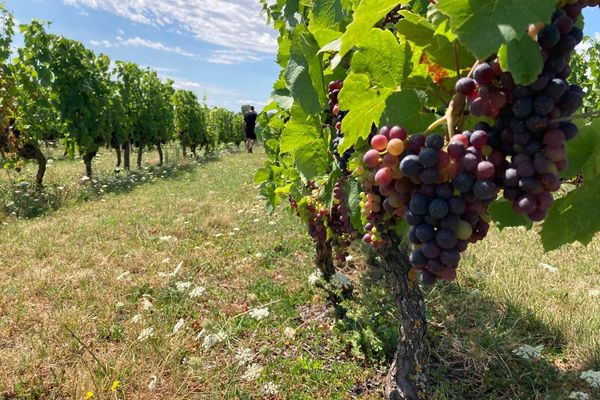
221,49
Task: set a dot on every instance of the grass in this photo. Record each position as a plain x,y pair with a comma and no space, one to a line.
83,273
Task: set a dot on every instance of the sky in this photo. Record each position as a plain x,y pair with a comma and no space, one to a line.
221,49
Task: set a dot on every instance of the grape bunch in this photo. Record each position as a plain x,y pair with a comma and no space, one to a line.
317,227
340,223
448,214
488,91
527,129
386,190
338,116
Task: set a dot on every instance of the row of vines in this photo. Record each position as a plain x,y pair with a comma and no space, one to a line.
54,89
414,126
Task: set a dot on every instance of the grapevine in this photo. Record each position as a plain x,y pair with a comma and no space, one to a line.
441,133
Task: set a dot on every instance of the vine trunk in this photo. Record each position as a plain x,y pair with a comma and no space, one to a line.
406,379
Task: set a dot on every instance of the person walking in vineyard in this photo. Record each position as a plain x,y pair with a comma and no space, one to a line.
249,126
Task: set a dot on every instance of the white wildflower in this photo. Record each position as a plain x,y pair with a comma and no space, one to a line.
349,259
579,396
289,332
592,378
252,373
153,382
197,292
340,280
270,389
244,356
182,286
123,276
255,220
218,234
259,313
61,188
594,293
146,304
136,319
314,278
213,339
549,268
85,179
120,305
236,229
259,255
272,222
146,334
178,326
529,352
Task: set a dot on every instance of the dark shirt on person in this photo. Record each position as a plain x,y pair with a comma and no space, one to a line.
250,120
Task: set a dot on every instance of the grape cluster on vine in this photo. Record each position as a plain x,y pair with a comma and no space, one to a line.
444,192
338,116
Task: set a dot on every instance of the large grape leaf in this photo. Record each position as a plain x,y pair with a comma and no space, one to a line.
379,67
584,151
303,74
382,57
484,25
504,217
326,14
522,58
575,217
302,139
366,106
368,13
435,41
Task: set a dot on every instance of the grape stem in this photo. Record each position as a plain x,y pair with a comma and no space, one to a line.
457,107
435,125
577,116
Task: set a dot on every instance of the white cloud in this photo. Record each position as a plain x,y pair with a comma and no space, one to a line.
235,24
230,57
141,42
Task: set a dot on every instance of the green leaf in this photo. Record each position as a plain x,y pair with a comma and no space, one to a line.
302,139
575,217
262,175
326,14
584,151
379,67
504,217
353,189
405,108
381,56
303,74
365,105
522,58
484,25
368,13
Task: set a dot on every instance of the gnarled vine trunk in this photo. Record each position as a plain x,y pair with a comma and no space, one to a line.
87,159
139,154
324,259
160,154
33,152
126,155
193,147
118,151
406,379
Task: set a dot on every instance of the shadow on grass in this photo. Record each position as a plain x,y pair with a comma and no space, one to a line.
471,339
23,200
